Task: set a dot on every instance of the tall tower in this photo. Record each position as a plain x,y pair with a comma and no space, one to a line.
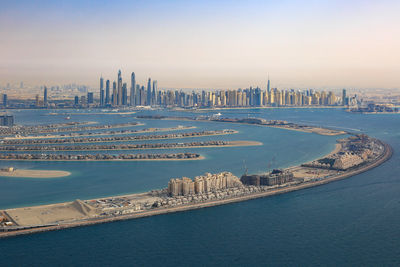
132,100
149,92
154,94
45,97
344,98
114,95
124,94
101,91
119,101
107,92
268,85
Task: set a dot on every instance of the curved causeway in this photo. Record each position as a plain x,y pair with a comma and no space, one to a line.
360,153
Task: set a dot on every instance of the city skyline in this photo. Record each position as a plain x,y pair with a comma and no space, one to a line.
191,44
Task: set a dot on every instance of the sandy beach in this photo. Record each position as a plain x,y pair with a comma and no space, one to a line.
89,160
34,173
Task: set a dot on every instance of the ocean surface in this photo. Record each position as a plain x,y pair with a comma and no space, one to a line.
353,222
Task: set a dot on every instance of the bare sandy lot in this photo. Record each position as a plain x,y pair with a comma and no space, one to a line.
49,214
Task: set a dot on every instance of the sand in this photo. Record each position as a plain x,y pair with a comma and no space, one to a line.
35,173
50,214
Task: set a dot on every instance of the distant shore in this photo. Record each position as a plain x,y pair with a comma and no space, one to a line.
20,173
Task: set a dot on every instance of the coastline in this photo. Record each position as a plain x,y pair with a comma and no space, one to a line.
159,211
150,130
229,144
144,139
88,160
36,174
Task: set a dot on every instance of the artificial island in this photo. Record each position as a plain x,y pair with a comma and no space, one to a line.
352,155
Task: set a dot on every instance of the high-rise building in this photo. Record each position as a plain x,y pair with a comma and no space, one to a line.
76,100
45,96
107,100
90,97
101,91
132,96
344,97
114,95
268,86
5,100
124,94
119,101
149,92
154,93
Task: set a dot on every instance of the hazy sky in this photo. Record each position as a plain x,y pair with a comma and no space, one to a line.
203,44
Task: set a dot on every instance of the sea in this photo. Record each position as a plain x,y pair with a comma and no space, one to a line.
352,222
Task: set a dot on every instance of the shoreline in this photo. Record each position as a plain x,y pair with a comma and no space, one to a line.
292,127
134,140
35,174
229,144
387,153
88,160
150,130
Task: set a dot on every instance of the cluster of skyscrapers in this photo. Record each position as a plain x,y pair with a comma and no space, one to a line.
117,95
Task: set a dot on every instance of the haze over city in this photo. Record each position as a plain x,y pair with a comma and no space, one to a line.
203,44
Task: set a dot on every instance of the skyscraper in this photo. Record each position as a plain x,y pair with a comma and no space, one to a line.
132,100
124,94
344,98
114,95
90,97
149,92
119,101
5,100
154,94
45,97
107,92
101,91
268,86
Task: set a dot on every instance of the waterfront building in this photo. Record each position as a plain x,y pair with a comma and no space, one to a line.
6,120
76,100
124,94
203,184
101,91
132,96
154,93
119,92
148,103
107,100
45,96
276,177
114,95
5,100
90,98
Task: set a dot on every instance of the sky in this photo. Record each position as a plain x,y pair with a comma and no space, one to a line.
203,44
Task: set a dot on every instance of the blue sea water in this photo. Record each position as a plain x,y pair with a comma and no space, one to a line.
349,222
